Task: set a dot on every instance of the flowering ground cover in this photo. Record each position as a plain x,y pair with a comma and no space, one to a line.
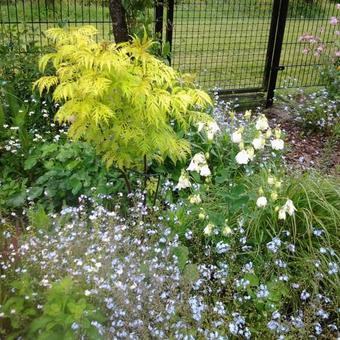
188,226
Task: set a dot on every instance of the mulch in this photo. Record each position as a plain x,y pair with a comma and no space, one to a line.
306,151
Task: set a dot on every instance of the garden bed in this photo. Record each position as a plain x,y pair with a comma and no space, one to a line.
133,206
313,150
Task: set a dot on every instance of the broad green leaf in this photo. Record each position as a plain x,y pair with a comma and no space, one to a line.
30,162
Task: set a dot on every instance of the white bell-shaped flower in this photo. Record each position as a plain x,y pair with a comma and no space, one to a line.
261,202
242,157
277,144
262,123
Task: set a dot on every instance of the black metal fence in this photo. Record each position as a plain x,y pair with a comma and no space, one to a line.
312,16
232,45
229,44
33,17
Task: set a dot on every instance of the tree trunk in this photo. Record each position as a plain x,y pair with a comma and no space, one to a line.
118,18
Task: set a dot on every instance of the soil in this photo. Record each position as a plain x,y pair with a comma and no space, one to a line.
316,150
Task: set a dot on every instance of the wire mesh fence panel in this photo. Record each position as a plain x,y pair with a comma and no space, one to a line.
305,16
223,42
31,18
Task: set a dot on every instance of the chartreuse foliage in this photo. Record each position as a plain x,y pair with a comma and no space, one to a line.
121,98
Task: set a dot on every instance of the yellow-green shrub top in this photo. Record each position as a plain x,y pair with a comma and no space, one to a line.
120,97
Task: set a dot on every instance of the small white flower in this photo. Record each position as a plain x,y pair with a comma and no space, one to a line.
262,291
199,164
261,202
277,144
258,143
212,129
205,171
197,161
271,180
268,133
201,216
274,196
195,199
242,157
227,231
208,229
74,326
200,127
282,214
247,114
250,152
262,123
289,207
236,137
183,181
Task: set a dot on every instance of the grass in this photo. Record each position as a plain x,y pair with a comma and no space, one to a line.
224,45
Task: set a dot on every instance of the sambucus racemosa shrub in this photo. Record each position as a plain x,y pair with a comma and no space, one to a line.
121,98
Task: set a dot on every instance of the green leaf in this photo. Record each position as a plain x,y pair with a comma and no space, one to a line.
49,148
52,309
30,312
38,218
196,176
216,218
77,308
38,324
252,278
30,162
238,190
75,184
223,176
166,50
35,192
182,253
17,200
73,164
237,204
191,273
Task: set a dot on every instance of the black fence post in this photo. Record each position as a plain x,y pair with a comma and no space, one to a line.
159,10
276,54
271,43
170,24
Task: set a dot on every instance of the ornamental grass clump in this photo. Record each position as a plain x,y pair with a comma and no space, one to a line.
122,99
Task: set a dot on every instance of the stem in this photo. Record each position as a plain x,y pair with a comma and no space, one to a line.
145,177
145,171
126,180
156,193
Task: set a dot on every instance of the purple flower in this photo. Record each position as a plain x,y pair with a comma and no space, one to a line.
333,21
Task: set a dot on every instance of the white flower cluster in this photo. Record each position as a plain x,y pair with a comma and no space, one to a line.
210,128
199,164
287,208
264,133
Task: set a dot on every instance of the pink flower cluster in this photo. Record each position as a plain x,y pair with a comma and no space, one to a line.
315,43
333,21
309,38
